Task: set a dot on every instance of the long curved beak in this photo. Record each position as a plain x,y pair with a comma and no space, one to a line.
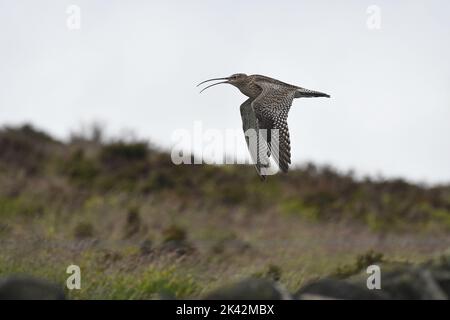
212,85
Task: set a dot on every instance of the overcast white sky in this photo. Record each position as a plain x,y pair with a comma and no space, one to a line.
134,65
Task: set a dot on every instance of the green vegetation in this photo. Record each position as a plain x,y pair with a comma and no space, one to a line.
141,227
361,262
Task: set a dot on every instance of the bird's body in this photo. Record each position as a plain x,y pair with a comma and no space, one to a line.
265,112
251,89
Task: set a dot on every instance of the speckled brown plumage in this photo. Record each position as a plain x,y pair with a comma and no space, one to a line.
266,112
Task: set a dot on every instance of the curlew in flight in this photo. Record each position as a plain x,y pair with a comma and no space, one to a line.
265,113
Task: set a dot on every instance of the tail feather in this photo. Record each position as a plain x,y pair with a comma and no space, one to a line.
306,93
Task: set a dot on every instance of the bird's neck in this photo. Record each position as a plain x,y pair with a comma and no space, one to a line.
250,90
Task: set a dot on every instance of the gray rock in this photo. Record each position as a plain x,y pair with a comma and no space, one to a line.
337,289
411,283
28,288
250,289
429,281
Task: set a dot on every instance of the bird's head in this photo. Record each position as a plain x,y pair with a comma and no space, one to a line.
236,80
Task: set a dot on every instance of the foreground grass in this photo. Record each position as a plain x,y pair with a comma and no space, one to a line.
287,249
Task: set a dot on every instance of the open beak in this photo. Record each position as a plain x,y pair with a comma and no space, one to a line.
212,85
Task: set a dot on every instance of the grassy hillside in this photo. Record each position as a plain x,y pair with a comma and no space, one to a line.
141,227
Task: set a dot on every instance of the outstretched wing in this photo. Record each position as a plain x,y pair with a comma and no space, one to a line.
271,108
254,137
